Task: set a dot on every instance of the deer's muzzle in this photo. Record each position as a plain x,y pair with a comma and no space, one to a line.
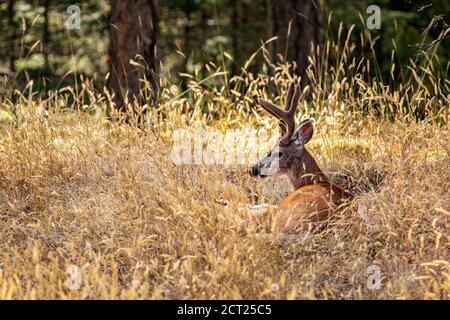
254,171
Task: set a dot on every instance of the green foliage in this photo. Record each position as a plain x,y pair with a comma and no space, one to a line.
195,33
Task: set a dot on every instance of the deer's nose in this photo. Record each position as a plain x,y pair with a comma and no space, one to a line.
254,171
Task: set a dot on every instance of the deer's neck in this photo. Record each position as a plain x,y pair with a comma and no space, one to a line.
306,172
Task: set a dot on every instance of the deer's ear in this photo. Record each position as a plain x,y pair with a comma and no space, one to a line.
304,132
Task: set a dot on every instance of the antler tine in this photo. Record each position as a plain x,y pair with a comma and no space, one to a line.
271,108
276,112
289,119
287,105
286,117
294,101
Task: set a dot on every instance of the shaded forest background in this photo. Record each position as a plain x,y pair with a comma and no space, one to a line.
35,43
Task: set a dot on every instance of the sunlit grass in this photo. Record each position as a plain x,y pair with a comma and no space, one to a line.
76,189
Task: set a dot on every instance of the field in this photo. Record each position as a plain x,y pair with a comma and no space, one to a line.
96,209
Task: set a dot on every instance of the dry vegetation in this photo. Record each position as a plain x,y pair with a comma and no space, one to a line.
76,189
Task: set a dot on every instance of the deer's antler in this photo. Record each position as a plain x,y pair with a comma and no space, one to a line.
286,117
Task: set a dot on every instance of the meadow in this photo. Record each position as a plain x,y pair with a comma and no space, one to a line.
79,190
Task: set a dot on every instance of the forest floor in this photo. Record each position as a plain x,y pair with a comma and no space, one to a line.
99,210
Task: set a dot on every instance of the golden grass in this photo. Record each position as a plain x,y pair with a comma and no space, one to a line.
78,190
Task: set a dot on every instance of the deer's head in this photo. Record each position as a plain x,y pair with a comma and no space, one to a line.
288,154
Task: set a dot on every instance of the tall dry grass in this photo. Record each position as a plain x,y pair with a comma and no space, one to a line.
76,189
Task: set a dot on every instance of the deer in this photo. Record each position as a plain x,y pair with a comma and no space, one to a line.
315,197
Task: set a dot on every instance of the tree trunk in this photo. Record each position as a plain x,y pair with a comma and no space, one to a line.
234,36
186,48
296,24
45,34
12,36
134,36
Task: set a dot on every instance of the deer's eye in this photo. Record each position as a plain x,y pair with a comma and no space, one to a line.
278,155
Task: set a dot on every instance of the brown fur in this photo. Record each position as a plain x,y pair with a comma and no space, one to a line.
311,203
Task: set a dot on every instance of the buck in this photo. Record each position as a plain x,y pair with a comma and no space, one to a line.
315,197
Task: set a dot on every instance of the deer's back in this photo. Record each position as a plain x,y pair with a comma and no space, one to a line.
310,203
